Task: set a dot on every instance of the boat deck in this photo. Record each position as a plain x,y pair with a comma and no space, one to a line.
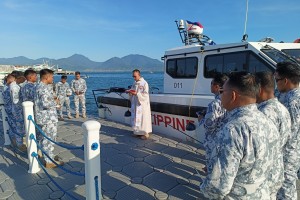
131,168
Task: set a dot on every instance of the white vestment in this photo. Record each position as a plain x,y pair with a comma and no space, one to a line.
140,108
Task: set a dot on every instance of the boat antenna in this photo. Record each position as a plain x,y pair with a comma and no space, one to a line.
181,31
245,35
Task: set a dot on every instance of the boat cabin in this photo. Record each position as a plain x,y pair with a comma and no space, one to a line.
198,64
188,71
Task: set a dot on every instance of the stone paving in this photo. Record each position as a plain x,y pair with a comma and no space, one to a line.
158,168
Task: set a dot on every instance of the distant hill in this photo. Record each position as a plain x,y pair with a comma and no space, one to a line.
20,60
82,63
77,62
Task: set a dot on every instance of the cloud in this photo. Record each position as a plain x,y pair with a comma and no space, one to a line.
11,5
16,5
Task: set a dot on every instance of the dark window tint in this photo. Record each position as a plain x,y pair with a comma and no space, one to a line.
276,55
230,62
256,65
182,67
213,65
171,67
234,62
295,53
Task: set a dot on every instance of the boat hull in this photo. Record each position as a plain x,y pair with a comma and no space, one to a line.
167,118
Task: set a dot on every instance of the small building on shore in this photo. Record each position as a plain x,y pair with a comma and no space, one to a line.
60,71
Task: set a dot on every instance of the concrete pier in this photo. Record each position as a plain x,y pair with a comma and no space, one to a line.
131,168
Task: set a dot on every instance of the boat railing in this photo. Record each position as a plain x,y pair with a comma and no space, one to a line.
154,90
100,92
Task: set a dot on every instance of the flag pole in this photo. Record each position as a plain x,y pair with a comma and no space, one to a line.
246,18
187,34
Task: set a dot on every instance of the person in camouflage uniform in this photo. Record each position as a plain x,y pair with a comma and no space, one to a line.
28,90
45,113
269,105
8,108
213,117
63,90
241,159
20,79
287,76
17,110
78,86
280,96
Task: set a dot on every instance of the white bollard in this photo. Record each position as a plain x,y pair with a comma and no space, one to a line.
30,130
92,159
4,121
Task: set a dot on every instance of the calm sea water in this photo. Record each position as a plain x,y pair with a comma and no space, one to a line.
107,80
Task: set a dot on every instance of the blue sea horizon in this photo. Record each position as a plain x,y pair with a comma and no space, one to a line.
105,80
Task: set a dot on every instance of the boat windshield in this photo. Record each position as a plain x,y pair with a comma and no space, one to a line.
278,56
295,53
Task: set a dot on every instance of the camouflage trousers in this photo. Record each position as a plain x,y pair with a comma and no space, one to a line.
288,191
19,132
209,146
11,127
18,121
15,121
80,98
51,131
62,101
9,119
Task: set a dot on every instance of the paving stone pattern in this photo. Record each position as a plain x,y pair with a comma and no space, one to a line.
158,168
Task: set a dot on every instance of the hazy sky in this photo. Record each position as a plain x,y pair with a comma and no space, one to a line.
101,29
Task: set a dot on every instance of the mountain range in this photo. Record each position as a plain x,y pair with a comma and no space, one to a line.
82,63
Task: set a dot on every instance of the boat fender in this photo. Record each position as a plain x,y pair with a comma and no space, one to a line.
191,131
190,126
127,114
127,117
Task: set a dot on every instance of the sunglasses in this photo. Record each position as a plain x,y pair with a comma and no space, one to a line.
278,79
221,90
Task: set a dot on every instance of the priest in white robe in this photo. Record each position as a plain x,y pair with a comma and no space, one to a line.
140,106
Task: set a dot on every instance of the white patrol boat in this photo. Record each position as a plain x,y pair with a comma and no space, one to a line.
188,72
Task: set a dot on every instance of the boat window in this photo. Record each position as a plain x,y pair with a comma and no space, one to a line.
182,67
236,61
278,56
171,67
295,53
256,65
